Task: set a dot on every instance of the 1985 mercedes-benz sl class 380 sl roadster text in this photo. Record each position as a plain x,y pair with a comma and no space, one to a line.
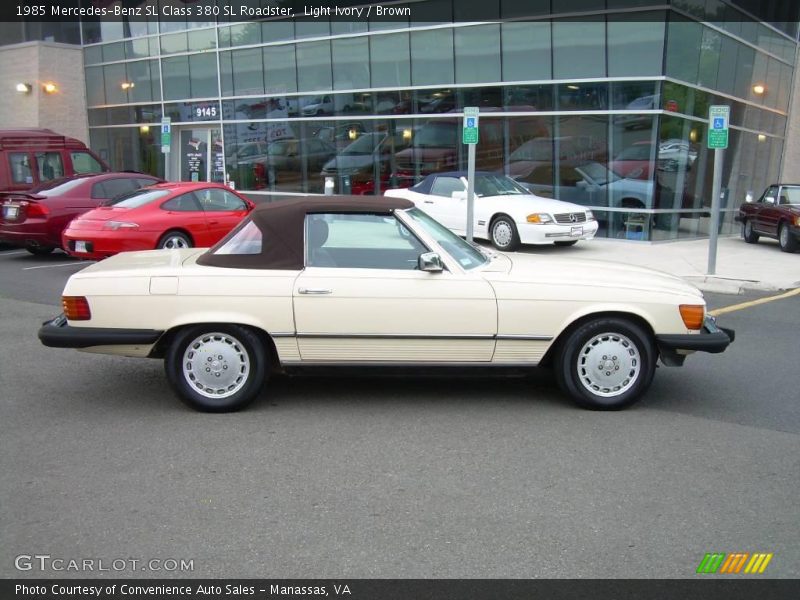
367,282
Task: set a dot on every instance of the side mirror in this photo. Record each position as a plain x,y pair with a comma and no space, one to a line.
431,262
749,197
458,195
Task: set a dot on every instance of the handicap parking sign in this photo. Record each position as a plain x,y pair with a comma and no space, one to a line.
719,123
470,121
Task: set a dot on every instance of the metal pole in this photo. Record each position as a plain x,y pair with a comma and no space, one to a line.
470,189
716,190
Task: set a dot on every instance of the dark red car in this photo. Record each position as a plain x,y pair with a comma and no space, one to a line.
36,218
776,214
167,215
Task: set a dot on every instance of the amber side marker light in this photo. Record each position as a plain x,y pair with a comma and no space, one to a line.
693,315
76,308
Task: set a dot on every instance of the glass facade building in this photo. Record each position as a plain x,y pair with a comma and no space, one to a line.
599,102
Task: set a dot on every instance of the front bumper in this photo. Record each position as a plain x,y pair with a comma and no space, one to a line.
675,347
56,333
530,233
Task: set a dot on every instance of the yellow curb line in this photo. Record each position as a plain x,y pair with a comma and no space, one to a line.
735,307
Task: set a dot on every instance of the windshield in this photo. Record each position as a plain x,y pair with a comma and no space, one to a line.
280,148
364,145
467,255
437,135
137,198
497,185
597,173
56,187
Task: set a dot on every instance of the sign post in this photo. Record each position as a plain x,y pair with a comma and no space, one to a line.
718,120
470,138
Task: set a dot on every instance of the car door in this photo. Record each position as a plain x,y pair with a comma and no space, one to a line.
185,212
450,212
765,204
770,214
361,298
223,211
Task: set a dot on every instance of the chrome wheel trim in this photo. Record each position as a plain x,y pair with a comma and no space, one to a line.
784,236
502,233
216,365
173,242
608,365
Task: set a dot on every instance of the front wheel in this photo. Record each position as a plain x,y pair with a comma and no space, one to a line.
216,368
606,364
785,238
749,235
504,234
174,240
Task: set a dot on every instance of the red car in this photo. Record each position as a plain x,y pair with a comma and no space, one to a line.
167,215
36,218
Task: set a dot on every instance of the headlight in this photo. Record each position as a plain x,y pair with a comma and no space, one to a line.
589,215
114,225
540,218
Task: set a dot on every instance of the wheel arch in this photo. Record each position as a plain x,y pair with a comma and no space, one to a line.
160,348
176,230
581,319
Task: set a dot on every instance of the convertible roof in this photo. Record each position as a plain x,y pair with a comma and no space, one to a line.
282,227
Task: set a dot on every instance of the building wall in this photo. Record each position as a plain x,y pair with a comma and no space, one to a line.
790,163
35,63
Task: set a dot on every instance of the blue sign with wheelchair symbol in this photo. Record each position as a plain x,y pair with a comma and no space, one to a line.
719,123
470,121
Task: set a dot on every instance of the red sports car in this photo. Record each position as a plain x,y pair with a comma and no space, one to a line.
36,218
167,215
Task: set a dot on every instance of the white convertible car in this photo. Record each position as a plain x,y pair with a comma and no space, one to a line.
376,282
506,213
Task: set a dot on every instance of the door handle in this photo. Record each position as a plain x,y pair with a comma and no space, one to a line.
314,291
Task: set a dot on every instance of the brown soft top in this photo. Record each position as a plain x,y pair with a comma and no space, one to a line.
281,224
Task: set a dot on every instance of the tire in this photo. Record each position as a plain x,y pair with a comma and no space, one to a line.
566,244
174,240
503,233
786,240
40,250
222,385
613,380
749,235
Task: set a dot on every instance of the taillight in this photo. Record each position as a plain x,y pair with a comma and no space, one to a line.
34,209
76,308
692,315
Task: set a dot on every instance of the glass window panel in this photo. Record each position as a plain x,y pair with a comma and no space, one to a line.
726,75
114,76
339,27
745,63
477,51
95,88
137,48
243,34
579,48
350,63
314,66
248,72
205,39
773,83
582,96
759,77
176,77
782,101
635,44
113,52
173,43
530,97
280,73
683,44
390,62
203,68
92,55
567,6
276,31
226,73
307,27
710,47
635,95
432,57
526,51
143,74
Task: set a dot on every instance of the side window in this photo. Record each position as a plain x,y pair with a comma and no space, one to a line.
182,203
247,240
361,241
212,199
20,164
770,195
445,186
111,188
83,162
141,182
49,165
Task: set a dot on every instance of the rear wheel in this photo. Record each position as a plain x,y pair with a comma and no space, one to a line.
216,368
40,250
606,364
504,233
173,240
787,241
749,235
569,243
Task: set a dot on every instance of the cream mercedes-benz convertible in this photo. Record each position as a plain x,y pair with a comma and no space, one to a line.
375,282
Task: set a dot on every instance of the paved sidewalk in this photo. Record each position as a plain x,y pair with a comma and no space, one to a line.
740,266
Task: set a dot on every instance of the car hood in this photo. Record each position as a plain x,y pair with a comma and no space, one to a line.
534,203
594,273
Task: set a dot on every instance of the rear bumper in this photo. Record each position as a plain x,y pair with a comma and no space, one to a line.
56,333
713,339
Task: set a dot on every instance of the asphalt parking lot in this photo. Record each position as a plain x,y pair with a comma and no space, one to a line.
341,477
